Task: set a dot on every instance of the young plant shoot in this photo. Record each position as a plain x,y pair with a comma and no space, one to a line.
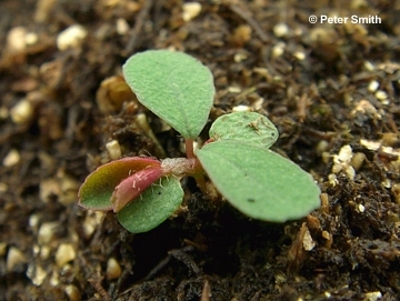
144,192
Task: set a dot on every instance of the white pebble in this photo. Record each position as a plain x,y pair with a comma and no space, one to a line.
277,50
122,26
372,296
73,293
113,269
18,39
369,66
308,242
92,220
11,158
373,86
72,37
65,253
299,55
190,10
36,273
114,149
381,95
46,232
14,257
241,108
22,112
281,30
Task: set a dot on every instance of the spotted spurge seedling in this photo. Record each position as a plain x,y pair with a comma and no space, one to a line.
144,192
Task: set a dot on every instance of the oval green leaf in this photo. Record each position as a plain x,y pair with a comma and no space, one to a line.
95,193
174,86
258,182
152,207
246,127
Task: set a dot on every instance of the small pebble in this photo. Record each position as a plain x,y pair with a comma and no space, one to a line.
369,66
386,183
45,252
65,253
278,50
308,243
92,220
239,57
373,86
34,220
46,232
396,192
381,95
241,35
113,269
22,112
73,293
281,30
371,145
372,296
357,160
300,55
19,38
36,273
114,149
49,188
14,257
322,146
326,235
71,37
12,158
241,108
190,10
122,26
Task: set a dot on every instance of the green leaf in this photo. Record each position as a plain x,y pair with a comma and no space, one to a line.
95,193
152,207
174,86
258,182
246,127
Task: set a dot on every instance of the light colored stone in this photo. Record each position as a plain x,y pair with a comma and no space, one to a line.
114,149
281,30
113,269
14,257
22,112
12,158
122,26
36,273
46,232
372,296
65,253
73,292
71,37
373,86
190,10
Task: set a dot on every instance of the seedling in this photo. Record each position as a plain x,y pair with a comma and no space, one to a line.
144,192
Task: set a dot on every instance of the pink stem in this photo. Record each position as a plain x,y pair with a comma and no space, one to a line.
189,148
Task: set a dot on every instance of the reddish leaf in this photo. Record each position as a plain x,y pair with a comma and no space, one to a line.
95,193
130,188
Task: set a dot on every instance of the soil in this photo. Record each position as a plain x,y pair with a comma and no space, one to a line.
332,89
